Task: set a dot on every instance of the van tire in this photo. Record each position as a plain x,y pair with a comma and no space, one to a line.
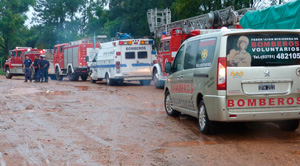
7,73
108,80
58,77
84,77
206,126
288,125
168,106
145,82
93,81
157,83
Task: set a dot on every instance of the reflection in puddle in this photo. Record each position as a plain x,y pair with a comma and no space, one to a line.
186,143
82,88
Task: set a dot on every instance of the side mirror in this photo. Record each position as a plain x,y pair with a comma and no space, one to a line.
94,60
87,58
168,67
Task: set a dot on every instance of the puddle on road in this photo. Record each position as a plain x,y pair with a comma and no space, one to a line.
82,88
186,143
51,92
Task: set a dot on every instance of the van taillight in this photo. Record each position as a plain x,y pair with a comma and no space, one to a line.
221,81
118,53
118,65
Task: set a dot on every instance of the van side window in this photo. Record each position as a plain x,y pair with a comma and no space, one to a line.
178,61
166,45
206,52
191,54
142,55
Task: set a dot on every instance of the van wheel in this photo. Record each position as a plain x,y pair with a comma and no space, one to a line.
84,77
145,82
157,83
108,80
7,73
72,76
93,81
206,126
288,125
169,106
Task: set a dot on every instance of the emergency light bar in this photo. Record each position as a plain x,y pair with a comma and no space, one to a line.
125,42
146,42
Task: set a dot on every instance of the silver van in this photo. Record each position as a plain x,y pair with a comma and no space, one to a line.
237,75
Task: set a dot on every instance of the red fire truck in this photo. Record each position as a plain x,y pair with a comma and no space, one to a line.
69,60
14,65
173,34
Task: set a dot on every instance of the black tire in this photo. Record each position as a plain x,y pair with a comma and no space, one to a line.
206,126
84,77
108,80
145,82
93,81
7,73
72,76
168,106
52,77
157,83
288,125
58,77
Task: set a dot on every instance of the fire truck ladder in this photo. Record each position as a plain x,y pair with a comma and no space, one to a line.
160,20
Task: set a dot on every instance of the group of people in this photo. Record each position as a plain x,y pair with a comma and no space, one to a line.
40,66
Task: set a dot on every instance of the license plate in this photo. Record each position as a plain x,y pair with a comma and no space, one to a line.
266,87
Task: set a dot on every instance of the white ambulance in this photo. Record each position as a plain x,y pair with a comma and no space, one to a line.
122,60
231,76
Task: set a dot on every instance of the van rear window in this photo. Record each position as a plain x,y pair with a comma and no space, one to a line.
130,55
263,50
142,55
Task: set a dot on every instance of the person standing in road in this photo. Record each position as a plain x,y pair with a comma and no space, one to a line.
36,66
38,71
42,67
27,69
45,68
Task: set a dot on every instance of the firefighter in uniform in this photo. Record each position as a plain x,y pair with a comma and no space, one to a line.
27,69
36,66
42,67
45,68
38,71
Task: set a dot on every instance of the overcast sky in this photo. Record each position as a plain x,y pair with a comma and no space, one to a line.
29,14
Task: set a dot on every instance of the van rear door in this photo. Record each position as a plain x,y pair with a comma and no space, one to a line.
263,72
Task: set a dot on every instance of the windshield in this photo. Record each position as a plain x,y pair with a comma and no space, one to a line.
263,50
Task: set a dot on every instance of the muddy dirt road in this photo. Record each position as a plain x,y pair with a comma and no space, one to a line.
93,124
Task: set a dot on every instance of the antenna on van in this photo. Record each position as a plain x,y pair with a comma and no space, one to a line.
94,40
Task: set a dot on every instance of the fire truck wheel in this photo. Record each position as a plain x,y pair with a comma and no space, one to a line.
53,77
7,73
84,77
169,106
206,126
157,83
289,125
145,82
72,76
58,77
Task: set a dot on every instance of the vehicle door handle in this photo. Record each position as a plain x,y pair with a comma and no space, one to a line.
180,77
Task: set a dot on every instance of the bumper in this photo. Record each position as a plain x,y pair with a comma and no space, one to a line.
134,78
81,71
217,111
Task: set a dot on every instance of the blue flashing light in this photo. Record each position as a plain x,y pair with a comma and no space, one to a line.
151,42
164,33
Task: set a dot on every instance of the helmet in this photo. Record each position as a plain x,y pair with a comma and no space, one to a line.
243,39
43,56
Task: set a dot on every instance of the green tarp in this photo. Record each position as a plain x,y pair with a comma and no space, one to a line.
276,17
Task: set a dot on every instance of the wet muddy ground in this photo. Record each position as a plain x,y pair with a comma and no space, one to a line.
80,123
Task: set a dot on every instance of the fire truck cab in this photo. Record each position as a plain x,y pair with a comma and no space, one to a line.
168,47
14,65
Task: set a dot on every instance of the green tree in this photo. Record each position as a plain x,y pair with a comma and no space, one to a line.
12,18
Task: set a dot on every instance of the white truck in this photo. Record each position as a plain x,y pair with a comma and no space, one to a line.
122,60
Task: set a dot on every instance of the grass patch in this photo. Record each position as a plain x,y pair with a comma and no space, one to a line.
2,72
